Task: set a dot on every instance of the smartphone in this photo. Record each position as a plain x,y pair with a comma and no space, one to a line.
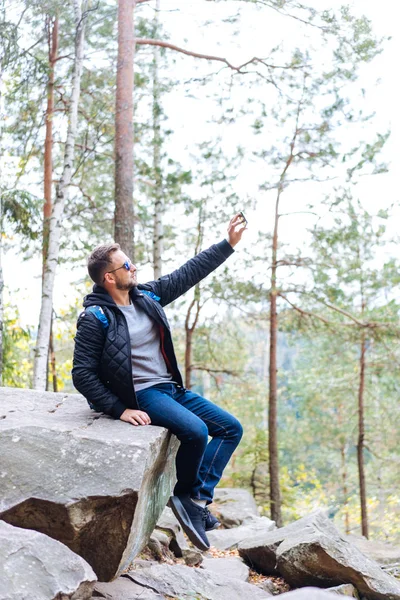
243,217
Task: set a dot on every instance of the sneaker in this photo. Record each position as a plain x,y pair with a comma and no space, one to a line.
192,518
211,521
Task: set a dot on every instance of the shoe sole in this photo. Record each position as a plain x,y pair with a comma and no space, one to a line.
214,527
180,513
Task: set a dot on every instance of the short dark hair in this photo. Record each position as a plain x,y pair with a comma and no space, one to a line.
100,260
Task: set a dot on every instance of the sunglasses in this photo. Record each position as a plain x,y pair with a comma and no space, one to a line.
127,265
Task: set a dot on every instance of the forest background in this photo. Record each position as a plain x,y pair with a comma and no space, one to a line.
281,109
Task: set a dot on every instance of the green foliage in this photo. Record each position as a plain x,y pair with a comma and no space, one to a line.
17,351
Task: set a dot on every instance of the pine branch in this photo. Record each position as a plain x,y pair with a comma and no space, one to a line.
254,60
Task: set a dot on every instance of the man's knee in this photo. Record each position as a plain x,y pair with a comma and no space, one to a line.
236,430
196,433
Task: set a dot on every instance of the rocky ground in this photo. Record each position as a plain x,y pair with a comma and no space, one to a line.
248,557
82,495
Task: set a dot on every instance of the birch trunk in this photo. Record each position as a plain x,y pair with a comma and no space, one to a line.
1,227
124,210
158,233
1,287
42,343
52,30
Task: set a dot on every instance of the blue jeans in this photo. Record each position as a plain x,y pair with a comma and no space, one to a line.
199,464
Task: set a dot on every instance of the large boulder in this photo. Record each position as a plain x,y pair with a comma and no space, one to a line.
187,583
229,539
383,552
307,593
34,566
312,552
234,506
124,589
96,484
232,567
259,550
168,525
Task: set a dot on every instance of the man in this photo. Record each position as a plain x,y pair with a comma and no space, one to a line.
125,366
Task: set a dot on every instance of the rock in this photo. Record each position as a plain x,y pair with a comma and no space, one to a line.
269,586
186,583
318,555
382,552
307,593
227,539
169,525
124,589
161,537
259,550
96,484
234,506
34,566
311,551
346,589
228,567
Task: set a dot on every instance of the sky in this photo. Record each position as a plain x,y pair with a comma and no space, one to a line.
22,278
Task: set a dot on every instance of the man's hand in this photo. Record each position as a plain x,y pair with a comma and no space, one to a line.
235,229
136,417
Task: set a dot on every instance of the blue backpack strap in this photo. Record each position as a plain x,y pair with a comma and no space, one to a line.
151,295
98,312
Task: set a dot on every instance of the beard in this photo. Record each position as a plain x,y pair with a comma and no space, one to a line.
127,287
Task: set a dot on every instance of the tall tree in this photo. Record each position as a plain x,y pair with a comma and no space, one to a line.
52,24
354,288
158,233
42,344
124,210
8,50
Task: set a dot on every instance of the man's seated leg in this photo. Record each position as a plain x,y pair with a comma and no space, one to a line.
164,411
226,432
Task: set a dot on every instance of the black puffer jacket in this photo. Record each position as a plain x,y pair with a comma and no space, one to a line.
102,367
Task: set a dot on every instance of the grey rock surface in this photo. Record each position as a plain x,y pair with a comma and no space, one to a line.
124,589
36,567
347,589
382,552
232,567
233,506
186,583
96,484
228,539
168,525
260,550
319,555
307,593
311,551
270,586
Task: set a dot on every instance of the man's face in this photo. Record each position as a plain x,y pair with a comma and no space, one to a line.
124,279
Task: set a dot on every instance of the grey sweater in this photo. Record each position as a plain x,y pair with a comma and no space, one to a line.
148,364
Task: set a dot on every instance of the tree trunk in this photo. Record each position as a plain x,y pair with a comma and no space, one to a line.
275,493
158,233
124,210
1,231
345,489
361,435
189,332
52,30
42,343
53,361
1,303
48,144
